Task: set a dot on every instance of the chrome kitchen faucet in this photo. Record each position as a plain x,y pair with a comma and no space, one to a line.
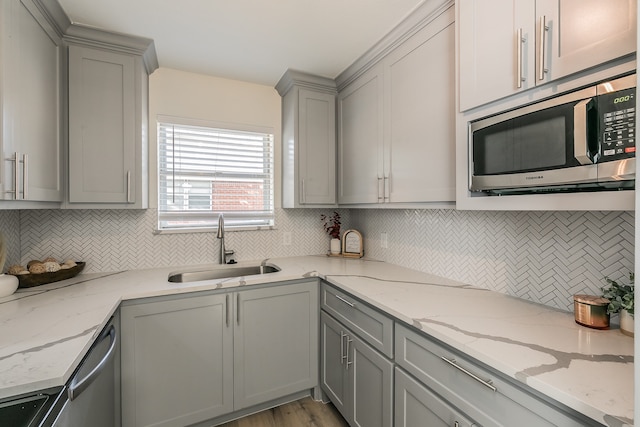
223,252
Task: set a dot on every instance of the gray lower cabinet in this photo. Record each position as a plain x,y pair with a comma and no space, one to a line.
177,361
193,358
487,397
417,406
275,342
357,378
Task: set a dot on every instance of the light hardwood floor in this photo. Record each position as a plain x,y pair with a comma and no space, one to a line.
301,413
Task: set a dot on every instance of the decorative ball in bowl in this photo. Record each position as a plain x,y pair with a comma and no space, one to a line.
8,285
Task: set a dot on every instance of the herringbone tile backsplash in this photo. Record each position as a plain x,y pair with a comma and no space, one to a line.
112,240
545,257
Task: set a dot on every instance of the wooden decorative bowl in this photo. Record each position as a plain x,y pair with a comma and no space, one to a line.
31,280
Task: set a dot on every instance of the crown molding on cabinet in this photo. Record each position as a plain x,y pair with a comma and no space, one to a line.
125,43
306,80
94,37
54,14
414,22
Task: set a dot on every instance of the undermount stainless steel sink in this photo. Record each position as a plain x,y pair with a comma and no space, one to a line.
221,273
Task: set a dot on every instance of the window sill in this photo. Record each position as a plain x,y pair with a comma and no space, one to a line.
213,230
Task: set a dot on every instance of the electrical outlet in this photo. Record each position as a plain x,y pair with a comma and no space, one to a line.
384,242
286,238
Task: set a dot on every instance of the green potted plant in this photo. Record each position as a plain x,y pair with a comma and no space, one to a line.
621,300
332,227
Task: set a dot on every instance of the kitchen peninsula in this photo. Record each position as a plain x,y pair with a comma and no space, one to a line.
47,330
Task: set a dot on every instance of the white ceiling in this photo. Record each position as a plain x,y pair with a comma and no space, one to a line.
249,40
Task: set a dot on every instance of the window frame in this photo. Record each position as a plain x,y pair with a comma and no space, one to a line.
179,121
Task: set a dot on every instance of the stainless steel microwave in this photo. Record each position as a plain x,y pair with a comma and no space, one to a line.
583,140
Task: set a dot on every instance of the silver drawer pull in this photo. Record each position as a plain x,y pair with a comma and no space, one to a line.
350,304
486,383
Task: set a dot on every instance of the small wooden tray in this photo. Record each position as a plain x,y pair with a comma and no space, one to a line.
31,280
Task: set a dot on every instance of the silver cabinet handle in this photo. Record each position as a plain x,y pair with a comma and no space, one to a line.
128,186
25,177
456,424
227,305
519,43
238,308
303,193
342,353
350,304
486,383
580,147
541,50
386,188
349,363
78,386
16,174
380,188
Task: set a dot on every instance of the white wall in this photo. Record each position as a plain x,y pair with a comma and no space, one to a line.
210,99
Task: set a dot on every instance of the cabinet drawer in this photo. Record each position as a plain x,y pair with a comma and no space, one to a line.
416,405
489,399
369,324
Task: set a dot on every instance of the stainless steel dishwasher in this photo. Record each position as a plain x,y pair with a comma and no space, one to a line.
91,398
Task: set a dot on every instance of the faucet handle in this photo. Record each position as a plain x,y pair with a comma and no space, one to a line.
228,256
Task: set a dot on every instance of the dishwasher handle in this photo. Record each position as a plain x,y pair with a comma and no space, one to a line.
78,386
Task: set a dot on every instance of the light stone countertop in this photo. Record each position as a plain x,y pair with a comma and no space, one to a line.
45,331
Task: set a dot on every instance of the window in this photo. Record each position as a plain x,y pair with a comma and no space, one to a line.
205,171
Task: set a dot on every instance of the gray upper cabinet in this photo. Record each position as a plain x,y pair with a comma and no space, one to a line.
108,119
308,140
396,122
419,116
30,51
516,45
360,154
189,359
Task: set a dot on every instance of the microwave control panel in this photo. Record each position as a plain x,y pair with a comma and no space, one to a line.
617,125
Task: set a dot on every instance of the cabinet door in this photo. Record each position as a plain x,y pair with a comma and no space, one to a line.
31,105
371,385
488,49
102,116
177,361
360,140
333,378
275,342
317,147
584,33
419,115
417,406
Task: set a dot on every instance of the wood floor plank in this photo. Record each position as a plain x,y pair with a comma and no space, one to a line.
301,413
322,415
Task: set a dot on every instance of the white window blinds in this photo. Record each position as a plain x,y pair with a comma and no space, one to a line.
206,171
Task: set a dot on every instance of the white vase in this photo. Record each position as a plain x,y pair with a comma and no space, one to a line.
626,323
8,284
335,246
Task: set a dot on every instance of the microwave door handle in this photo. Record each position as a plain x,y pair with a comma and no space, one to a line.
580,146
